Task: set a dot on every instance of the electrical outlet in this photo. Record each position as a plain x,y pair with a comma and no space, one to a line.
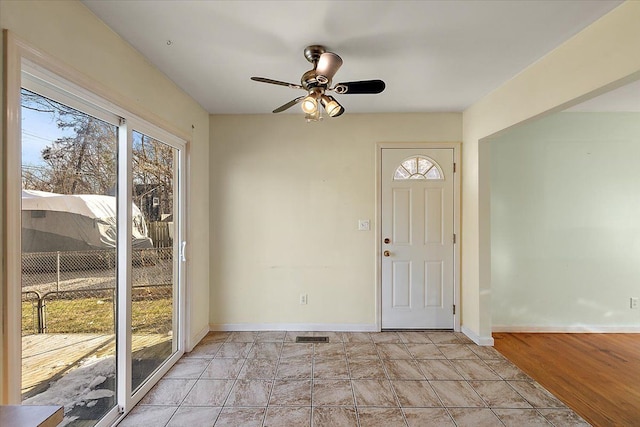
633,302
364,225
303,299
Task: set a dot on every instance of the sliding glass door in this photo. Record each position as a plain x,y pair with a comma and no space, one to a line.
101,259
69,229
156,256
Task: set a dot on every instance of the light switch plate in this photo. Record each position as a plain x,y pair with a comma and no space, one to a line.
364,225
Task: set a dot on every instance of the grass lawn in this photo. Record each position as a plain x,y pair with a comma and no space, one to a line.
96,315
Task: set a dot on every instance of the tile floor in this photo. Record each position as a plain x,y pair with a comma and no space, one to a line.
384,379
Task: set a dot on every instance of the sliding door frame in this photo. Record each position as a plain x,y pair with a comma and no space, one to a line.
95,100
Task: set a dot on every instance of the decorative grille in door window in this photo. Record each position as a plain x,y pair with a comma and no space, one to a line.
418,167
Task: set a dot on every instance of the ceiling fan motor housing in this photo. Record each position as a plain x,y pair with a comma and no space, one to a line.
309,80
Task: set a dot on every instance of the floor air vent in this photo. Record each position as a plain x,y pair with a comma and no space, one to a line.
312,339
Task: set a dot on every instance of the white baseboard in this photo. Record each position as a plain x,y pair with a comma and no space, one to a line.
573,329
320,327
484,341
197,338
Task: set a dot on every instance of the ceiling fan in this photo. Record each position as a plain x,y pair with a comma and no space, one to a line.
317,82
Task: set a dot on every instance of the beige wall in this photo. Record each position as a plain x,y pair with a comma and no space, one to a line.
603,56
287,196
69,32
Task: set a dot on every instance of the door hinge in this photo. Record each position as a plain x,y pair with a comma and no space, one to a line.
454,239
454,168
454,309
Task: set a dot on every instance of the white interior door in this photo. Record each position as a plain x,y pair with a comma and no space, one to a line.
417,256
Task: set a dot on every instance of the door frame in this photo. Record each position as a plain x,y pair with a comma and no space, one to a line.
457,150
19,55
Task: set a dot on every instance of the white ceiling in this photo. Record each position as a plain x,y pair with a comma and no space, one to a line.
433,55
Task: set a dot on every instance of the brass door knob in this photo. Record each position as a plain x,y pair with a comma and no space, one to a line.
386,253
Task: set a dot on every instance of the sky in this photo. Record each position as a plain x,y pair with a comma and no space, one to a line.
38,131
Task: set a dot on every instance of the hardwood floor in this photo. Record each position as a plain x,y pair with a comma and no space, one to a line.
597,375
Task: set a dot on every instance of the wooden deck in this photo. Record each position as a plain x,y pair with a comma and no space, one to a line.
47,357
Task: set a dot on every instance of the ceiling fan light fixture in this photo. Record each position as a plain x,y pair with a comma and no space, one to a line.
333,107
310,103
313,117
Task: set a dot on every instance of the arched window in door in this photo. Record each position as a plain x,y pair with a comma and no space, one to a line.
418,167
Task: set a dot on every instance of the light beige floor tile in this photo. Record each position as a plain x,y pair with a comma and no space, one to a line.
563,418
499,394
425,351
361,351
357,337
386,337
330,368
292,350
148,416
271,336
189,368
236,417
507,370
288,417
234,350
403,369
206,350
463,338
294,369
438,370
242,337
444,338
457,394
521,417
255,369
250,393
457,351
475,417
381,417
393,351
191,416
366,369
414,337
265,350
229,377
474,370
222,369
291,393
374,393
536,394
209,393
428,417
168,392
334,416
416,394
291,335
486,352
215,337
329,351
334,337
332,393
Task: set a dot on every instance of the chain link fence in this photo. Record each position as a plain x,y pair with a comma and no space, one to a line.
75,292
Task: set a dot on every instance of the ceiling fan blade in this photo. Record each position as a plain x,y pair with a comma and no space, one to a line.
365,86
276,82
289,104
328,65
